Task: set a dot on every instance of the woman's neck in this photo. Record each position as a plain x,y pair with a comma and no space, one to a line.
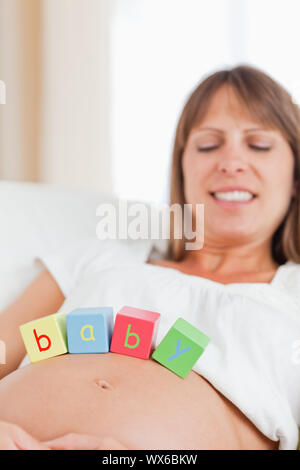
223,261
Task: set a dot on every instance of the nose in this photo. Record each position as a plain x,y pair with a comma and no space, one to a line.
232,163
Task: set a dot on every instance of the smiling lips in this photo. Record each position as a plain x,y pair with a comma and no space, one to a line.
233,197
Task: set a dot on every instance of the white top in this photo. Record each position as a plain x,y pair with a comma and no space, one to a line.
253,357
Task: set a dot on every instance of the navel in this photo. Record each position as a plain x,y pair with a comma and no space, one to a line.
103,384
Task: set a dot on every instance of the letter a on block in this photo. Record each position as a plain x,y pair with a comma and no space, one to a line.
91,333
180,349
135,332
45,337
90,330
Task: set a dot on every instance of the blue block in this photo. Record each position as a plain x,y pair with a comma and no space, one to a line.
90,329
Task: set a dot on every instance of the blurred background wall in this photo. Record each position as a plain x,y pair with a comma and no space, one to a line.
54,60
95,87
20,70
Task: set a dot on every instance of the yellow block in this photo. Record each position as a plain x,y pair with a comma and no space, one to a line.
45,337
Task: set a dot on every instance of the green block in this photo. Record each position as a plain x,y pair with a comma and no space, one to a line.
181,348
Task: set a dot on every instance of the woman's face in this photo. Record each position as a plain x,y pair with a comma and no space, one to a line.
241,172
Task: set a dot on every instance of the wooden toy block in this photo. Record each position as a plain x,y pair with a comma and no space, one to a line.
45,337
135,332
90,329
180,349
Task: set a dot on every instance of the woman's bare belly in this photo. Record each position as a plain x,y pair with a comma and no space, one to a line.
139,402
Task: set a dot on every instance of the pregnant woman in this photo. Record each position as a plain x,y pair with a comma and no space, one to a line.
236,151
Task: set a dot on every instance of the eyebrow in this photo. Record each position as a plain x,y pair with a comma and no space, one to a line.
220,131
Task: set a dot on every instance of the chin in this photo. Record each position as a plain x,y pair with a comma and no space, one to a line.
234,234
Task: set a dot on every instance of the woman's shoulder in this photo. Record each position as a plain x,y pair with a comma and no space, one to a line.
288,277
73,261
289,269
116,252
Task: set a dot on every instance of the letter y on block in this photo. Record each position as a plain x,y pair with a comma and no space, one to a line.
178,352
181,334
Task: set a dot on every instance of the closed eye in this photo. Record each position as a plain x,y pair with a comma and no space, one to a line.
207,149
253,147
258,148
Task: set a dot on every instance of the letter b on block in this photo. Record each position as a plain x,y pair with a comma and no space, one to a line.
90,329
180,349
134,332
45,337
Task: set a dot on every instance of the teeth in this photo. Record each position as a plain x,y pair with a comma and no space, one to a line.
234,196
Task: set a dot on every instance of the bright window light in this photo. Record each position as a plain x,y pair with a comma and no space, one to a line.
160,50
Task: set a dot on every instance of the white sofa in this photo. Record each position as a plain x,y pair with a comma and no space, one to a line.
35,218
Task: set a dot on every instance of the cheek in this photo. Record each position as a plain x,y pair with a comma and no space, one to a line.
279,184
195,174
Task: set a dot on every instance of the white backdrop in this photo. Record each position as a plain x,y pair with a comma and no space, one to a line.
160,50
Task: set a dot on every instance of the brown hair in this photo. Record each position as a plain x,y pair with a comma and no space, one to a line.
272,105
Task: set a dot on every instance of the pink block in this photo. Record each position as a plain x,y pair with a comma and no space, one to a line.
134,332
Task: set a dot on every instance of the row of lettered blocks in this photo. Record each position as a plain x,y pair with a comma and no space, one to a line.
93,330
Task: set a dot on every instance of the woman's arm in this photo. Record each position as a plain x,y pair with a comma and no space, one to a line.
75,441
42,297
12,437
